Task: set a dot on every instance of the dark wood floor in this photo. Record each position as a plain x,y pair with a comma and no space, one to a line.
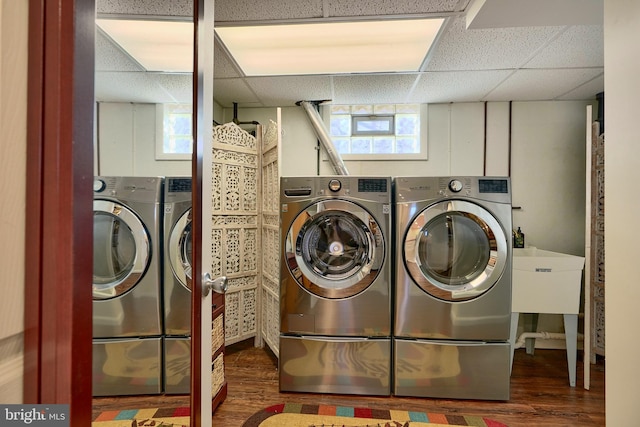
540,393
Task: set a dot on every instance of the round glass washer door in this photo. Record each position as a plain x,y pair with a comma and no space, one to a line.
180,250
121,249
455,250
334,249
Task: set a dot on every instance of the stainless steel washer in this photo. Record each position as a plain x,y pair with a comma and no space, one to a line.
335,285
453,287
177,284
127,318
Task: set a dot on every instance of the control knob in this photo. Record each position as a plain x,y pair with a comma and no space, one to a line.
335,185
455,185
99,185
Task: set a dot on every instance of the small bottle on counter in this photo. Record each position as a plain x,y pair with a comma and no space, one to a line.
518,238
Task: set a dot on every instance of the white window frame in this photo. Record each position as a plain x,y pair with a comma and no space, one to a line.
388,118
325,111
160,153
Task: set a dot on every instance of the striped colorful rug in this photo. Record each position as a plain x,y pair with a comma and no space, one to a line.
299,415
157,417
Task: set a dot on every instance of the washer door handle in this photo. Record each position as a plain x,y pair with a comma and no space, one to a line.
219,284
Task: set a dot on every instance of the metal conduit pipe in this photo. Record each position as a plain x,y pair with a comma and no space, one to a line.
324,138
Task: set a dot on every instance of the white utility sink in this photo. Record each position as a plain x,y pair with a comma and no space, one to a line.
546,282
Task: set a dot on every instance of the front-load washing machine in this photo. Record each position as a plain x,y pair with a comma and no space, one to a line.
335,293
177,284
453,287
127,317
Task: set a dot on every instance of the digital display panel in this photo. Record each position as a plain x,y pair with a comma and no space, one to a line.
372,185
493,186
179,185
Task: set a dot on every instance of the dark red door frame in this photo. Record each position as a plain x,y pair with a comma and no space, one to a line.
59,262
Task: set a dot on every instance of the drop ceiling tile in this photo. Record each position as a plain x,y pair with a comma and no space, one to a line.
541,85
487,49
251,10
527,13
110,57
285,91
146,7
391,7
228,91
587,90
130,87
178,86
456,86
223,65
373,89
578,46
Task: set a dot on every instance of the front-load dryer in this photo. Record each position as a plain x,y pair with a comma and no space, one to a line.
177,284
127,317
453,287
335,285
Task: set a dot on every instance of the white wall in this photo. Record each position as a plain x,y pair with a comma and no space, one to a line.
622,204
13,116
540,143
548,174
455,134
126,141
546,158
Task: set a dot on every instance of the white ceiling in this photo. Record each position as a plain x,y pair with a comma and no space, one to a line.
510,52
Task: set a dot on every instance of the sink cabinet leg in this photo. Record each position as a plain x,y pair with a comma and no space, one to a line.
571,337
531,325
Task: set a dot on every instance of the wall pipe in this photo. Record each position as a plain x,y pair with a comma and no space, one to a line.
484,161
542,335
510,136
323,137
235,117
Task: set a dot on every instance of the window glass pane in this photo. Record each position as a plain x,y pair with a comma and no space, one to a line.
180,124
407,145
360,145
376,129
362,109
342,145
407,108
383,145
181,145
177,129
340,125
406,124
340,109
384,109
373,125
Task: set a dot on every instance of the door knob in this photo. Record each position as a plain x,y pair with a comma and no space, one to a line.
219,284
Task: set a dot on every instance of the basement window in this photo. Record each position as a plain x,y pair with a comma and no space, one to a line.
174,134
378,131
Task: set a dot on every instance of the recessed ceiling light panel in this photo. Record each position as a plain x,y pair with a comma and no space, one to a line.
331,48
165,46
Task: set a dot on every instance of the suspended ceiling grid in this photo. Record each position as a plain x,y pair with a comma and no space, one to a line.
528,59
